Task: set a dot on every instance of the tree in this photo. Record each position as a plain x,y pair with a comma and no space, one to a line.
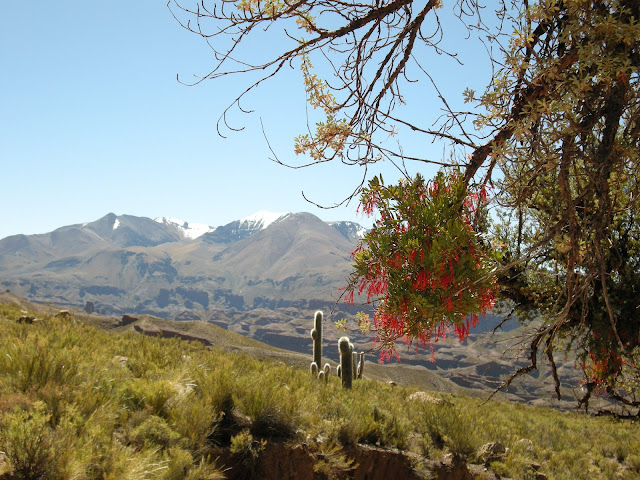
554,138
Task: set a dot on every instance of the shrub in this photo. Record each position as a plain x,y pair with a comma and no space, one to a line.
246,451
27,441
142,393
384,428
153,430
181,466
195,420
273,413
345,432
179,462
36,360
331,462
450,427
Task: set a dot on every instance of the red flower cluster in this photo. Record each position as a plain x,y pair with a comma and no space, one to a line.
422,262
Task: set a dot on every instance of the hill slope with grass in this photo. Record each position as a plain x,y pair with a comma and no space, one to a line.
78,401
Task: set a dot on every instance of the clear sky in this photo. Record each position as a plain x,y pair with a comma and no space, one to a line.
94,121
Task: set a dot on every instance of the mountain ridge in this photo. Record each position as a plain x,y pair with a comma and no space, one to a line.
262,255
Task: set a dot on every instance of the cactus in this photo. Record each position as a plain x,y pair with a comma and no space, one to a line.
316,335
339,371
327,369
361,365
321,376
346,361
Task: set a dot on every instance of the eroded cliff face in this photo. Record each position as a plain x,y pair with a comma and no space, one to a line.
281,461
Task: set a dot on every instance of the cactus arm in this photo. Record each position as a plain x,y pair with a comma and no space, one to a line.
361,365
354,360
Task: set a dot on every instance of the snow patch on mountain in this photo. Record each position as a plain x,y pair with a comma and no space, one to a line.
351,230
247,226
187,229
116,224
262,219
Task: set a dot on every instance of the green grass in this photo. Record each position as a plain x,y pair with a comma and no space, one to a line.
79,402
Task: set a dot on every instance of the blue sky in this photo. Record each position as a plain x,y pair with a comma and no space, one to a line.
93,121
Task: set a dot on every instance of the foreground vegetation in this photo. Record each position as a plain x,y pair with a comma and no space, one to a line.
79,402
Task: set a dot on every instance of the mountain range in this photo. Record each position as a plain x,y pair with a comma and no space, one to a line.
164,266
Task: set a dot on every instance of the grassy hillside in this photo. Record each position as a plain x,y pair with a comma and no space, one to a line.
81,402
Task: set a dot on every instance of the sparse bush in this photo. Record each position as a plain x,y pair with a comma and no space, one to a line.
206,469
633,462
27,441
36,359
150,355
331,462
142,393
382,427
346,432
246,451
273,413
195,420
179,463
181,466
450,427
153,430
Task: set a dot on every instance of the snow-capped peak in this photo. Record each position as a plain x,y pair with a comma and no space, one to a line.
352,230
263,219
189,230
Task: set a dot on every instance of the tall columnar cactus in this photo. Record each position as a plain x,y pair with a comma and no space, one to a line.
316,336
346,361
361,365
